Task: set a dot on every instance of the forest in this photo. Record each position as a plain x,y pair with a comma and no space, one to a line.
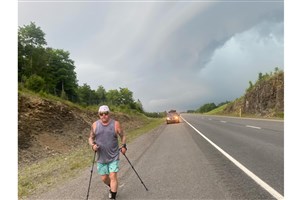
47,70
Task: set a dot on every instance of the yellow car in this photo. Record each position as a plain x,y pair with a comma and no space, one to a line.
172,117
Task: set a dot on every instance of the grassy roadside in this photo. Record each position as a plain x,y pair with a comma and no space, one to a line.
220,111
217,110
40,176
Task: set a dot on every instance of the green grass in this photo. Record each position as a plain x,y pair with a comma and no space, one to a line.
41,176
217,110
152,124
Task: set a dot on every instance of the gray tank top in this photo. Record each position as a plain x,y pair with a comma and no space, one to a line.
107,140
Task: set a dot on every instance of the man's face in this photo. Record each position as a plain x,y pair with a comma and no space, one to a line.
104,116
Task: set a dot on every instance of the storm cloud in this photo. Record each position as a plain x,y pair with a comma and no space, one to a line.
171,55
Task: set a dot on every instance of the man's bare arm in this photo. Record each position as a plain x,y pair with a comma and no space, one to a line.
92,136
120,132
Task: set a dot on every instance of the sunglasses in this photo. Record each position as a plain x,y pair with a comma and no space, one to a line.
103,113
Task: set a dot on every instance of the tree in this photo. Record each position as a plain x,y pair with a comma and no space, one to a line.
122,97
31,35
260,76
30,45
126,97
84,94
139,106
65,74
250,86
113,97
59,74
207,107
53,65
101,94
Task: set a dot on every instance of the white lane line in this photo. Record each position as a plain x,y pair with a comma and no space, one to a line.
256,127
223,121
260,182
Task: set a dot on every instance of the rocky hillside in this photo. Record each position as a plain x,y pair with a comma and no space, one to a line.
264,99
48,127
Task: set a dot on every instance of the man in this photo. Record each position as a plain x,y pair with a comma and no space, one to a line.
104,139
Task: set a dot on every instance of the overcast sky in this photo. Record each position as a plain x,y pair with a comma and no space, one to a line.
171,55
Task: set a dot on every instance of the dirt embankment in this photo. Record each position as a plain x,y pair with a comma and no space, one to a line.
47,127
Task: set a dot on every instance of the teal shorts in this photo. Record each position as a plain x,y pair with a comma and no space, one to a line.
106,168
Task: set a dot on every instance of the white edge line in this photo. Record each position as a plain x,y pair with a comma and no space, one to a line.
260,182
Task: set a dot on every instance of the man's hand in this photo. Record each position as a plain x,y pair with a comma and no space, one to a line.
95,147
123,149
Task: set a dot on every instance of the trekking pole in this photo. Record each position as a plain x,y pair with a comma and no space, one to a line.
135,172
87,196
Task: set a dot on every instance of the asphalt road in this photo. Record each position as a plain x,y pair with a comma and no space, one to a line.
175,162
255,143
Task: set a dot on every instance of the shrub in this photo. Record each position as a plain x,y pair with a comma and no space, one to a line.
35,83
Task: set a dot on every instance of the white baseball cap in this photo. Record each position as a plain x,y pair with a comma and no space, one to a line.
103,108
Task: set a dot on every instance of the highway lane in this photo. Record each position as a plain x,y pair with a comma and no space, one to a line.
257,144
180,164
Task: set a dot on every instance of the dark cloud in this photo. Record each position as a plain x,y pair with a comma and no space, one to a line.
171,55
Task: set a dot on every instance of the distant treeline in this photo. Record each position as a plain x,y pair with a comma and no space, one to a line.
47,70
207,107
